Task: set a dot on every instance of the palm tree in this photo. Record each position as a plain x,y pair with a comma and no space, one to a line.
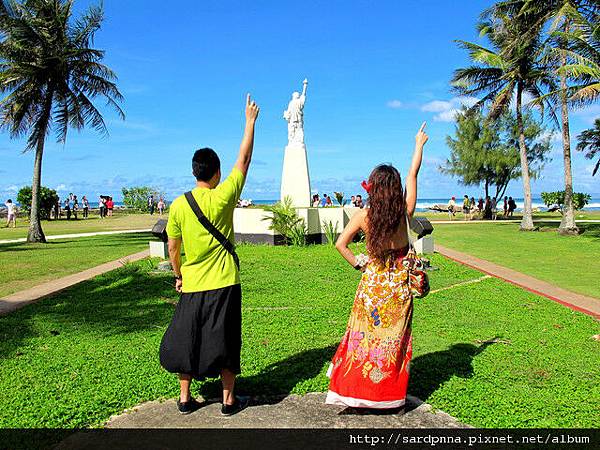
590,140
565,18
50,74
512,68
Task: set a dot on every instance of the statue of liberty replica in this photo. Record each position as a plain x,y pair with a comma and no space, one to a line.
295,181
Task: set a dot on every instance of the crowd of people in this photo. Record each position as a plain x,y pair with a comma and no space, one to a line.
356,201
486,209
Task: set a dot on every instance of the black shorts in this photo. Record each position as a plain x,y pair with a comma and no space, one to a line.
205,334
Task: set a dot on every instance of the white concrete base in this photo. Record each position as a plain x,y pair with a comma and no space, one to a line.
424,245
159,250
295,180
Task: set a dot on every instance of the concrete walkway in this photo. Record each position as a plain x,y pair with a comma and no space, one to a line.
463,222
292,411
76,235
22,298
578,302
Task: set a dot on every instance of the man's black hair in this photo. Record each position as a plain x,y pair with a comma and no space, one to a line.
9,201
359,195
205,164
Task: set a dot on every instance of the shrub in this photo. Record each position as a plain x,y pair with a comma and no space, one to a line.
48,198
557,200
137,197
330,232
286,222
339,196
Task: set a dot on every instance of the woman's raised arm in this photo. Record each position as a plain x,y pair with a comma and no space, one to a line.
411,179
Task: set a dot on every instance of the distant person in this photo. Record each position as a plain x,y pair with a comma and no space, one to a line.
353,201
102,206
151,204
315,201
110,205
359,203
451,207
67,207
487,209
86,206
472,207
204,339
465,207
75,206
480,205
11,213
161,206
511,206
324,201
329,202
505,207
56,208
494,208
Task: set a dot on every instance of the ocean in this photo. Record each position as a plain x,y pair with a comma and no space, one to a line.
424,203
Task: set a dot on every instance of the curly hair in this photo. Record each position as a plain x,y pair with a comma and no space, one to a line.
387,209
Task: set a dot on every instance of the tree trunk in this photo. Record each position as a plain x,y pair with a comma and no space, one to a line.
567,224
36,234
527,222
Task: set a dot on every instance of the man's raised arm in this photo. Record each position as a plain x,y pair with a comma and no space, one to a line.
247,145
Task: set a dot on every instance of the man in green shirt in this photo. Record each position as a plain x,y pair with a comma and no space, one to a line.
204,337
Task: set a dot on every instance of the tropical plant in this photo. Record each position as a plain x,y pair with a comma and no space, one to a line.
567,24
503,74
556,200
48,199
285,221
331,232
137,197
298,233
589,141
339,196
487,152
50,74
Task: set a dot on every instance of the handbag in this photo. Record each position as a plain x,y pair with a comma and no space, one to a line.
417,278
211,228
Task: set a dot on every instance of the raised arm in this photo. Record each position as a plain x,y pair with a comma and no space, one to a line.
247,145
411,179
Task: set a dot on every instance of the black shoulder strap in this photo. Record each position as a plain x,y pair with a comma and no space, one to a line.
211,228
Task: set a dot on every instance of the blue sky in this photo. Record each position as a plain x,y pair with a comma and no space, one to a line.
376,70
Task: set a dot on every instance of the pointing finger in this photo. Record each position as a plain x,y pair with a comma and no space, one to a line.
248,99
422,127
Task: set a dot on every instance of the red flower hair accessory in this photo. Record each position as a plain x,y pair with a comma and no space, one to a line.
366,186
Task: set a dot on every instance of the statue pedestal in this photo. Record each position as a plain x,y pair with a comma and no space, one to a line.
295,181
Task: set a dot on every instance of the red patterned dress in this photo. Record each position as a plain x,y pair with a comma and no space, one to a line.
370,366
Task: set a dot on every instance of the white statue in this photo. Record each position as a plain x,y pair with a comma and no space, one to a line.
294,115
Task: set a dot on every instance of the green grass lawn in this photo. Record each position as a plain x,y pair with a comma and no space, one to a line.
571,262
580,215
77,358
120,221
25,265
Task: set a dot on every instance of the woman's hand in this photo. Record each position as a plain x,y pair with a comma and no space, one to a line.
421,137
252,110
178,285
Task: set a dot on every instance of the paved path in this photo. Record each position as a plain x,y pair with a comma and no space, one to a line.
22,298
578,302
77,235
461,221
292,411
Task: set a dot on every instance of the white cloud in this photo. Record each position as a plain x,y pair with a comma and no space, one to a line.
394,104
447,109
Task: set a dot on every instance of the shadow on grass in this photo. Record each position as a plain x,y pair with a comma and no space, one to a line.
277,380
118,302
430,371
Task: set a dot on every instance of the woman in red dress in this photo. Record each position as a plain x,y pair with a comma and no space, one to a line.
371,365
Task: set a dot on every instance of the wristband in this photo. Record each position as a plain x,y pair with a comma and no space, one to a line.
178,277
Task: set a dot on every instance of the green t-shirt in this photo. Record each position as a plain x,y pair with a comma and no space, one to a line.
207,264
